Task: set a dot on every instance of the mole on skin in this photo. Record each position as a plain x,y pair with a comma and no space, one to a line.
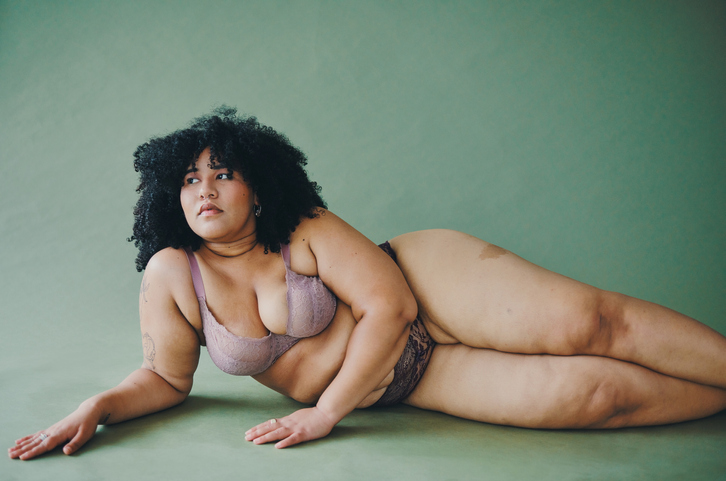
491,251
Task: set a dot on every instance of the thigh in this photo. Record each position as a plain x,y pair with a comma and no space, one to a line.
503,388
545,391
481,295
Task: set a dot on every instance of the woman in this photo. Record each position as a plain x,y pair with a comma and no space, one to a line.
241,255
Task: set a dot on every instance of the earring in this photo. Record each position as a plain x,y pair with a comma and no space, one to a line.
257,210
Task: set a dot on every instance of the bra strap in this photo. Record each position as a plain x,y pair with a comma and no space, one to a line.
196,275
285,249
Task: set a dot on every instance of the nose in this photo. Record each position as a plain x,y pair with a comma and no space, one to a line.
206,191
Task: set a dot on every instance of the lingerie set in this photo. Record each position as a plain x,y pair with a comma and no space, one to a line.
311,307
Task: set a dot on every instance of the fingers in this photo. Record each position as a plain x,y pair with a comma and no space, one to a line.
263,428
271,430
33,445
291,440
43,441
300,426
78,440
19,441
79,427
24,445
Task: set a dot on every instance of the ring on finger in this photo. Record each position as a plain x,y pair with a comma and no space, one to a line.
43,437
273,421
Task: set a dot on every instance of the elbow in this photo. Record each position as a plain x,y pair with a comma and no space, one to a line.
182,390
177,396
177,388
389,310
181,398
401,311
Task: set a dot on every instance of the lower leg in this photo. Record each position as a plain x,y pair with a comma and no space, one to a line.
662,340
631,395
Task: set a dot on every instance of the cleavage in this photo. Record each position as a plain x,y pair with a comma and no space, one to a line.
250,307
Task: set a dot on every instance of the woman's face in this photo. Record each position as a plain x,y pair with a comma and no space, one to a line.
217,203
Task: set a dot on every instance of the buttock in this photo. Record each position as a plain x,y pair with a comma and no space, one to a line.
412,364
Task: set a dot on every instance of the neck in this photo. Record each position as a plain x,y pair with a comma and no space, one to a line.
231,249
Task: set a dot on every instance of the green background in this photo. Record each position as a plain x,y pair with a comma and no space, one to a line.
588,137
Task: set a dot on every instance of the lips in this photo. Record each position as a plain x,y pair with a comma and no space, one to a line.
209,209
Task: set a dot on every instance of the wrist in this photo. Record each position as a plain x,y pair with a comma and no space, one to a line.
333,415
95,408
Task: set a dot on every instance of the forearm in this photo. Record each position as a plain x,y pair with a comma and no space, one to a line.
374,348
142,392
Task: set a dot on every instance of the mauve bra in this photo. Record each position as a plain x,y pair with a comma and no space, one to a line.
311,307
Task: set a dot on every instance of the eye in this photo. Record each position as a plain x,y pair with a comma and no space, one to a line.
190,180
225,175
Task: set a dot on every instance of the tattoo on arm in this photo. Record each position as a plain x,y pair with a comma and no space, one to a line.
149,351
144,288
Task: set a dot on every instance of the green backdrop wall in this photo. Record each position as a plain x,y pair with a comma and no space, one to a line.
587,137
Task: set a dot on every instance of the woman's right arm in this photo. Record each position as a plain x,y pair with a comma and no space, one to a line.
171,354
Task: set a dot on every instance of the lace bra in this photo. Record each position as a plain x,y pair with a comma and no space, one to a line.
311,307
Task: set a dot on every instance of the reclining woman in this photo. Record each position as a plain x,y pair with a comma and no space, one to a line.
242,256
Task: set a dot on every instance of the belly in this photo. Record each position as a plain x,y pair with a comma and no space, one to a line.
308,368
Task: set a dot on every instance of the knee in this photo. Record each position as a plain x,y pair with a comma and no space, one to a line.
604,407
600,403
581,397
602,324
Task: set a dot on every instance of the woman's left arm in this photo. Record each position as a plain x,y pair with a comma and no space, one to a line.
361,275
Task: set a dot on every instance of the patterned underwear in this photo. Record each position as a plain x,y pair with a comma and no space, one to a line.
411,365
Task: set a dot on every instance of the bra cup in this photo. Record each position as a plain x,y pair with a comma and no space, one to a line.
311,307
240,356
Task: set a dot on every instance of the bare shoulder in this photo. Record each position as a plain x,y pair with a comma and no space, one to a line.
322,220
168,275
168,261
170,268
325,226
312,235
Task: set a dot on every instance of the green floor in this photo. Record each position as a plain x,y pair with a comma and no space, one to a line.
203,439
587,137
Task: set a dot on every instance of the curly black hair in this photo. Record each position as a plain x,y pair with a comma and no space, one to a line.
273,167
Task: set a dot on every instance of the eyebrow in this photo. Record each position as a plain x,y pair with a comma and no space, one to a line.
217,166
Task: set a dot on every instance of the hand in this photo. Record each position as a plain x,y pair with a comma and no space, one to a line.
79,427
300,426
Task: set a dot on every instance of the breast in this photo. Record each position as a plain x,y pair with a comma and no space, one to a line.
237,355
311,305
